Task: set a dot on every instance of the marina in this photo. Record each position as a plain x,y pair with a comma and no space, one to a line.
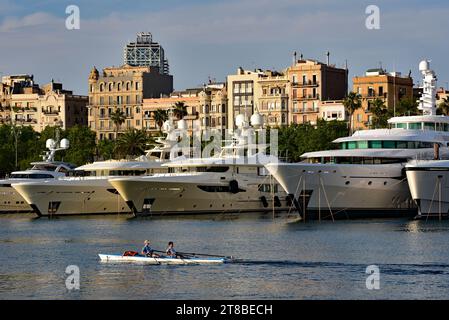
267,151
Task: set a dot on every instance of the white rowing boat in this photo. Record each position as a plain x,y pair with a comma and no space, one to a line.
161,260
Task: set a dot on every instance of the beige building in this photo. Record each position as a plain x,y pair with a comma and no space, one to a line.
25,103
312,82
206,106
333,110
272,100
377,83
262,91
123,88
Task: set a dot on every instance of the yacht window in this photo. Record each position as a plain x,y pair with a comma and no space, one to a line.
155,154
429,126
352,145
388,144
213,169
446,127
362,144
401,125
214,188
167,156
375,144
402,145
414,126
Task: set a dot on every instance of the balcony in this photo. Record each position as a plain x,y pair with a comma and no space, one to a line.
308,83
308,97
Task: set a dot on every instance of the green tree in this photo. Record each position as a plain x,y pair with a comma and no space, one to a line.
160,116
407,107
179,110
118,118
380,114
105,149
82,145
351,103
132,143
443,107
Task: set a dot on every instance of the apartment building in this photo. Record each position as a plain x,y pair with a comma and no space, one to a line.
312,82
23,102
206,107
123,88
378,84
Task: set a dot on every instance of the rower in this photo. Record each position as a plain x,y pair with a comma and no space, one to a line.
171,252
148,251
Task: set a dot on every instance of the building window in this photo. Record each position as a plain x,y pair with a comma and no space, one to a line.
111,86
137,85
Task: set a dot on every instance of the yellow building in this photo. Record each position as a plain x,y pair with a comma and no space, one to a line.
377,83
23,102
312,82
123,88
206,106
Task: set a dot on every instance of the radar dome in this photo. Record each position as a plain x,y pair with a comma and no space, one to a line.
424,65
182,125
257,120
239,120
64,143
166,126
50,144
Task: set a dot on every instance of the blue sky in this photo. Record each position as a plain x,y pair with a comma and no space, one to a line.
213,38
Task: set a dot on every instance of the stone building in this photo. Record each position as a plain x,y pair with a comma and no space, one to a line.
23,102
123,88
312,82
377,83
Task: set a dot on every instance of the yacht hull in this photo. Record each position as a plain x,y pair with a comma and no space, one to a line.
72,197
158,196
329,191
11,201
429,187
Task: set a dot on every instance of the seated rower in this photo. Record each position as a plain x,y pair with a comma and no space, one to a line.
148,251
171,252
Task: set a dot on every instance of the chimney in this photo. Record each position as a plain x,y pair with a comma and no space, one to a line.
327,54
294,58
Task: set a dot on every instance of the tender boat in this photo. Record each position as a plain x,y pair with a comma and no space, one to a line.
162,260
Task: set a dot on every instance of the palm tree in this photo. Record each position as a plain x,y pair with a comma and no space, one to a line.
352,102
443,107
160,116
180,110
118,118
132,142
407,106
380,113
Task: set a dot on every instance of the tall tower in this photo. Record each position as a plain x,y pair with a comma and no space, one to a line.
146,53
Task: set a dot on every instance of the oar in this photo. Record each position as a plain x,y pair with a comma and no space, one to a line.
197,254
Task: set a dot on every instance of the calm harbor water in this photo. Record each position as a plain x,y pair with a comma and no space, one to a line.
281,259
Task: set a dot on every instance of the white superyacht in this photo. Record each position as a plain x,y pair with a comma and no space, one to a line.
89,191
10,200
429,179
366,176
235,181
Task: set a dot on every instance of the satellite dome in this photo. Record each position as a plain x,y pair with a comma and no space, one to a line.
257,120
239,120
64,143
50,144
166,126
424,65
182,125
